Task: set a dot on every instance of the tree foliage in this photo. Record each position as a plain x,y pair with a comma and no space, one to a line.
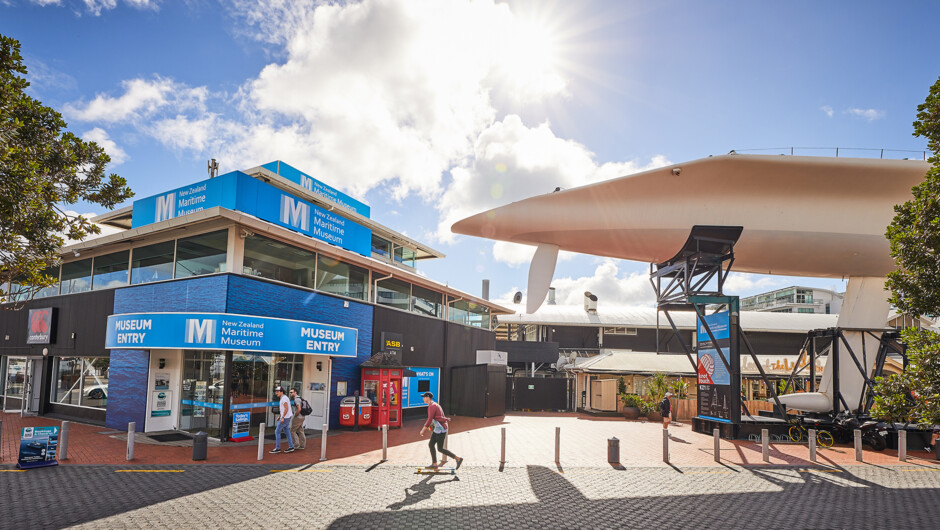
915,245
42,168
915,231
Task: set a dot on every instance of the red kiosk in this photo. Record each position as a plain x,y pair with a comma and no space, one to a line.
382,384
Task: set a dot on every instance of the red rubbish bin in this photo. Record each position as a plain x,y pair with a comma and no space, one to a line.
347,406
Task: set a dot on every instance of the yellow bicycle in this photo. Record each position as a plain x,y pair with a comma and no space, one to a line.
798,433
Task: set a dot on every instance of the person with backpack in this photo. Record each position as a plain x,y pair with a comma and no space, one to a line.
301,411
438,424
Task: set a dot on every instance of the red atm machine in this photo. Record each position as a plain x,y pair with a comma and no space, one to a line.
382,385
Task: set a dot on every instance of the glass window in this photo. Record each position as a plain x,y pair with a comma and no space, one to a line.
469,314
52,290
81,381
394,293
272,259
201,395
405,256
336,277
76,276
426,302
67,388
95,382
202,254
16,376
152,263
110,270
380,246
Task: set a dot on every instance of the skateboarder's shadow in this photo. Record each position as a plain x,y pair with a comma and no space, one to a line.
419,492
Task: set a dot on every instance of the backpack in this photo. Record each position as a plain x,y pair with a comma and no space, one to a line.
305,408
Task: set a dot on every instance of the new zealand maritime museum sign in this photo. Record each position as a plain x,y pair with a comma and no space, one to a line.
238,191
224,331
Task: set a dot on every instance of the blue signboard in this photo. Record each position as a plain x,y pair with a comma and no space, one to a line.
241,422
238,191
714,380
425,380
327,192
224,331
38,447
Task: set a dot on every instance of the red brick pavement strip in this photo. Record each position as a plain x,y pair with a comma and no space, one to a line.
530,441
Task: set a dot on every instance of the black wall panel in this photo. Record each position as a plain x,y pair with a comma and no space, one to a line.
83,314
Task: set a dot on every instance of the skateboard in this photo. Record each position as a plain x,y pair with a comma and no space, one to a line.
436,471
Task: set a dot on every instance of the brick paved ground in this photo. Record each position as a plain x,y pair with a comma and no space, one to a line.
335,496
530,441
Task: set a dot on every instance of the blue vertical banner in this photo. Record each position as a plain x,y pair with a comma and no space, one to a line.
714,380
38,447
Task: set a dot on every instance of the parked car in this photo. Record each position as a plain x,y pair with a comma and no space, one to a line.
96,391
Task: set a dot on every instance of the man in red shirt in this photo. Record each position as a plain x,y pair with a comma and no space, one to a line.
437,422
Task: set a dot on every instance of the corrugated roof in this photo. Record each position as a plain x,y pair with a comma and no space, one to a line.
623,361
645,317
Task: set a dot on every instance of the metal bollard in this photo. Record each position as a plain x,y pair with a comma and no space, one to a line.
765,444
902,445
666,445
131,429
502,446
64,441
200,445
613,450
323,443
717,436
812,445
385,443
557,445
858,445
261,441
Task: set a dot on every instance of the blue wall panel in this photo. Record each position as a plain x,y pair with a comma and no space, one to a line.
248,296
203,294
127,389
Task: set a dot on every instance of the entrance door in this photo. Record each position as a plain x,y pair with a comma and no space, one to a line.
317,391
32,383
15,374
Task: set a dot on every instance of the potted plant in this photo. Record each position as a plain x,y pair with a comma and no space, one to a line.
650,408
631,406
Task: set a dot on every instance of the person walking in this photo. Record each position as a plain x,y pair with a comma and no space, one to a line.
285,413
297,433
438,424
665,408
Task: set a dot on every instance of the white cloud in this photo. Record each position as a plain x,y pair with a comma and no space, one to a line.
739,283
868,114
100,137
511,161
96,6
607,283
142,98
827,109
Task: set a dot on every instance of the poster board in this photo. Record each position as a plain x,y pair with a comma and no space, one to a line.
38,447
714,379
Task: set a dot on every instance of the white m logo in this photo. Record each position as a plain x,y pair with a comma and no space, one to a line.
166,207
295,213
306,182
200,331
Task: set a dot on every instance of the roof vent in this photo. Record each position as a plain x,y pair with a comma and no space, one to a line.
590,302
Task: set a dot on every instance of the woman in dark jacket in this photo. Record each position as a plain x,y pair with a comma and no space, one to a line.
665,408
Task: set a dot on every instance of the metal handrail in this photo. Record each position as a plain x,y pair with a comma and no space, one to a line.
792,151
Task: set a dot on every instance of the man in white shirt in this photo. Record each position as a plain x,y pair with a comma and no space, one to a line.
283,421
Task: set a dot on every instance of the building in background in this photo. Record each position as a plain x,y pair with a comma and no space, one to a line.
795,300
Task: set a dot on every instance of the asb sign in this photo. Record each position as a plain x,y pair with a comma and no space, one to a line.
238,191
40,326
224,331
313,185
714,380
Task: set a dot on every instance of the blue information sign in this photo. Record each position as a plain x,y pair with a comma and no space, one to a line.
425,380
38,447
241,422
298,177
714,380
238,191
224,331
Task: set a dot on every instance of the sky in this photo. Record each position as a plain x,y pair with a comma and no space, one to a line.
433,110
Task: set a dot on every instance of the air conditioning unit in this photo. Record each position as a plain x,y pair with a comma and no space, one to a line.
492,357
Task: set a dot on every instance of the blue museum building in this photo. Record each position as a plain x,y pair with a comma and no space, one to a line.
208,296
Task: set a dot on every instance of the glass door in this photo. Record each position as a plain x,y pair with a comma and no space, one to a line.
201,394
15,376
